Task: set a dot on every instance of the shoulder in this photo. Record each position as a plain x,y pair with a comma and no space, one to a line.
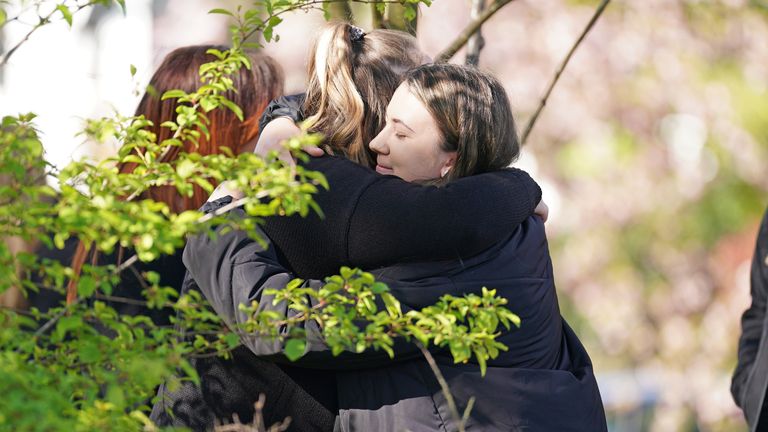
343,174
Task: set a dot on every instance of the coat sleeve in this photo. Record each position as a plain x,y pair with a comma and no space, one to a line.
397,221
753,318
284,106
232,269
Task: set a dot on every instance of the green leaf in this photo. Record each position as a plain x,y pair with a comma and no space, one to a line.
132,158
205,184
232,340
208,104
67,324
116,395
185,168
418,334
65,12
392,305
133,70
410,12
294,349
327,10
3,17
88,351
221,12
170,94
190,371
86,286
233,107
273,21
481,357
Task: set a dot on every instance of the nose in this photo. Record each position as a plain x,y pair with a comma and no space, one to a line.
379,143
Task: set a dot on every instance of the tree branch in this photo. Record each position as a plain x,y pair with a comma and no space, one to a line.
234,204
563,64
444,386
473,27
43,21
476,42
45,327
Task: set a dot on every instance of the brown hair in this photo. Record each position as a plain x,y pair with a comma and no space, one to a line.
351,79
254,88
472,113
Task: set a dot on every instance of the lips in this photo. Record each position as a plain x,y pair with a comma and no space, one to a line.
384,170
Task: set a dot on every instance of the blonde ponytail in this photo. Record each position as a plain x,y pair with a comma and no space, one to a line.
352,76
332,96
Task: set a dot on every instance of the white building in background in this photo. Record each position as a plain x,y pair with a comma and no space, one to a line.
66,75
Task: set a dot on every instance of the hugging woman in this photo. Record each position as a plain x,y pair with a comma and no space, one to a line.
444,125
370,221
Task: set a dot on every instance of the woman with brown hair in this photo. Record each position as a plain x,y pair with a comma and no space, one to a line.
444,123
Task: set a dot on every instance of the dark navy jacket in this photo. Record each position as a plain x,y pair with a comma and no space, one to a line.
406,222
544,382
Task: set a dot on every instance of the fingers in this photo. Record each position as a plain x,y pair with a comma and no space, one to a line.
314,151
542,210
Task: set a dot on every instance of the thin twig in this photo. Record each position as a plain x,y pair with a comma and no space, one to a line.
258,424
473,26
444,386
140,278
467,411
234,204
476,42
125,300
43,21
563,64
45,327
314,4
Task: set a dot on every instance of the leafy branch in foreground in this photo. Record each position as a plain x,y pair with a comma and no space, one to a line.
355,313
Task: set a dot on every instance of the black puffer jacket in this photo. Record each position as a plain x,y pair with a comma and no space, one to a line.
544,382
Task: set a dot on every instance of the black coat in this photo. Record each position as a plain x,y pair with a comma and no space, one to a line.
750,379
370,220
169,267
544,382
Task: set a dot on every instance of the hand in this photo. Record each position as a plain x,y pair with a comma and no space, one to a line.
274,134
278,131
542,210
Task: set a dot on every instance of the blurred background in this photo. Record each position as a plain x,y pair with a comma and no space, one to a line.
651,152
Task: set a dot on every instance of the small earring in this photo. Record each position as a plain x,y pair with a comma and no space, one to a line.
444,171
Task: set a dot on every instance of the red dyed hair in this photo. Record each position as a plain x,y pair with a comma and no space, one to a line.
254,89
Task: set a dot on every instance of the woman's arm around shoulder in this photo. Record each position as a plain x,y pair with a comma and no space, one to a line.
395,220
231,269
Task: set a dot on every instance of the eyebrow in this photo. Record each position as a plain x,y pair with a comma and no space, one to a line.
396,120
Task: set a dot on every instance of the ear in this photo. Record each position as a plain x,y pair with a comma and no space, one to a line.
448,164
